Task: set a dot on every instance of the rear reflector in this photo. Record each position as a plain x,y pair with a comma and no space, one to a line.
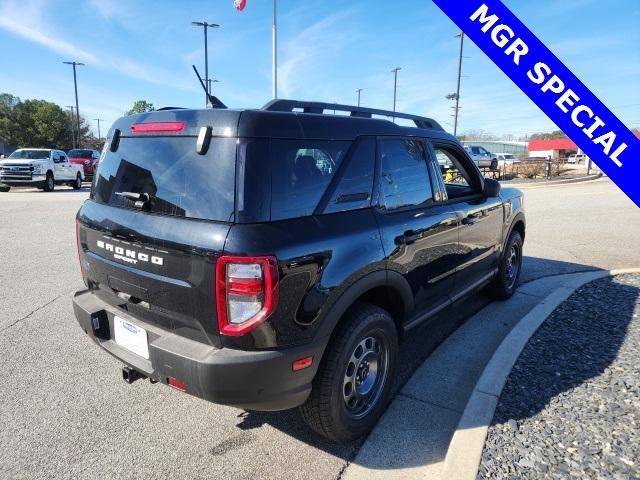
175,383
157,127
302,363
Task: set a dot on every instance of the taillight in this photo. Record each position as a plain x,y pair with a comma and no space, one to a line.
246,292
157,127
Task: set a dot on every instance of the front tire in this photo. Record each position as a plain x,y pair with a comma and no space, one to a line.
49,184
353,384
506,282
77,184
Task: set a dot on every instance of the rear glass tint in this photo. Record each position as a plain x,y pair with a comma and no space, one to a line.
179,181
300,172
80,153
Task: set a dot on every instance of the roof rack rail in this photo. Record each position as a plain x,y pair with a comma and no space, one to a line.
282,105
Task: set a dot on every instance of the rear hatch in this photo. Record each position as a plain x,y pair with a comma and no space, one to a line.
154,258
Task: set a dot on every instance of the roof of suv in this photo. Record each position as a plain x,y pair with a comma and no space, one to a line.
289,119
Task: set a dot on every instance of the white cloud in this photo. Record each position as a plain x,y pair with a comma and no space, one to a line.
25,19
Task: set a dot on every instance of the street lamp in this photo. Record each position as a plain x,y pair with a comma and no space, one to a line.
99,120
206,25
358,91
75,86
73,128
395,87
457,107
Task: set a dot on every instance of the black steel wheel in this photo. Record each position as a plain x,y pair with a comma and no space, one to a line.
506,281
354,381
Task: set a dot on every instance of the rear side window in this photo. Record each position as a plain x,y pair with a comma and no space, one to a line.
404,176
300,173
356,183
179,181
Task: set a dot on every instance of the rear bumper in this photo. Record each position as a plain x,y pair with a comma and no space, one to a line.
253,380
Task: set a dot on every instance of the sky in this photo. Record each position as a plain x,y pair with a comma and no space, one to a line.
327,49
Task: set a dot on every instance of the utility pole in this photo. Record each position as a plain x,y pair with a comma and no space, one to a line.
457,107
206,25
395,88
358,91
274,53
99,120
73,127
75,86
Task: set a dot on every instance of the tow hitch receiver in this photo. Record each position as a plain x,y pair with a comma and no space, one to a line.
130,375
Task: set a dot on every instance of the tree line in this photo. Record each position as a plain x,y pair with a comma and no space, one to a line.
43,124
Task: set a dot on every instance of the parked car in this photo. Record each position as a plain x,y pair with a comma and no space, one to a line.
277,257
483,157
85,157
577,159
506,159
40,167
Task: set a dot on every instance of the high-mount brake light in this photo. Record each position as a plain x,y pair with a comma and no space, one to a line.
246,292
153,127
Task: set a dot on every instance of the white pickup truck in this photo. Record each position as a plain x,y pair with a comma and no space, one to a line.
40,167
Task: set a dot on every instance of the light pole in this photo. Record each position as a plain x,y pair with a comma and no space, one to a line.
274,53
457,107
99,120
73,127
395,87
359,91
206,25
75,86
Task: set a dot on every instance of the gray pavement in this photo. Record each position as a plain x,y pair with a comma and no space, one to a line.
67,414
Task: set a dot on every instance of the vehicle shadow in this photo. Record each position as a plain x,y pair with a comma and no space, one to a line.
415,349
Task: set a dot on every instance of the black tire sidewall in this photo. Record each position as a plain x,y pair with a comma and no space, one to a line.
45,186
381,325
77,185
514,238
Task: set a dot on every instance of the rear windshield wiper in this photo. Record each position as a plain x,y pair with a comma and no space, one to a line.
139,199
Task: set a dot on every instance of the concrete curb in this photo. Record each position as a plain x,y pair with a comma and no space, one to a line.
551,183
465,450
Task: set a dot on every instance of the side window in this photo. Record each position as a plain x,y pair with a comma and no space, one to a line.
404,176
356,183
300,173
458,180
56,157
475,150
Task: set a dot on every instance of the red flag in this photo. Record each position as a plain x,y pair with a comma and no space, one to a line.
240,4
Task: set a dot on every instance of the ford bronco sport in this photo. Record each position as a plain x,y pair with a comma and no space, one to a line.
275,258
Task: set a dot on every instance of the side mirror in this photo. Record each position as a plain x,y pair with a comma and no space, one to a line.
491,187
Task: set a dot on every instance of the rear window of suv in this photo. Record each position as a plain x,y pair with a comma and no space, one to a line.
179,181
299,172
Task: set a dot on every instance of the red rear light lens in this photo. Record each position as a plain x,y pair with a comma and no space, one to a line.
175,383
157,127
246,292
302,363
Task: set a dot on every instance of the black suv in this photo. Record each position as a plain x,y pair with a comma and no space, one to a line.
275,258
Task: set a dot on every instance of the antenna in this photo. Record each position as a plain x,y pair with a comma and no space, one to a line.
213,100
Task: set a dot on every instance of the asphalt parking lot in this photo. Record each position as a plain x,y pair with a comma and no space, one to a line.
66,413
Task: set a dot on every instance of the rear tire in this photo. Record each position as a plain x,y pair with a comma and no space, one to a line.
506,282
77,185
353,384
49,184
